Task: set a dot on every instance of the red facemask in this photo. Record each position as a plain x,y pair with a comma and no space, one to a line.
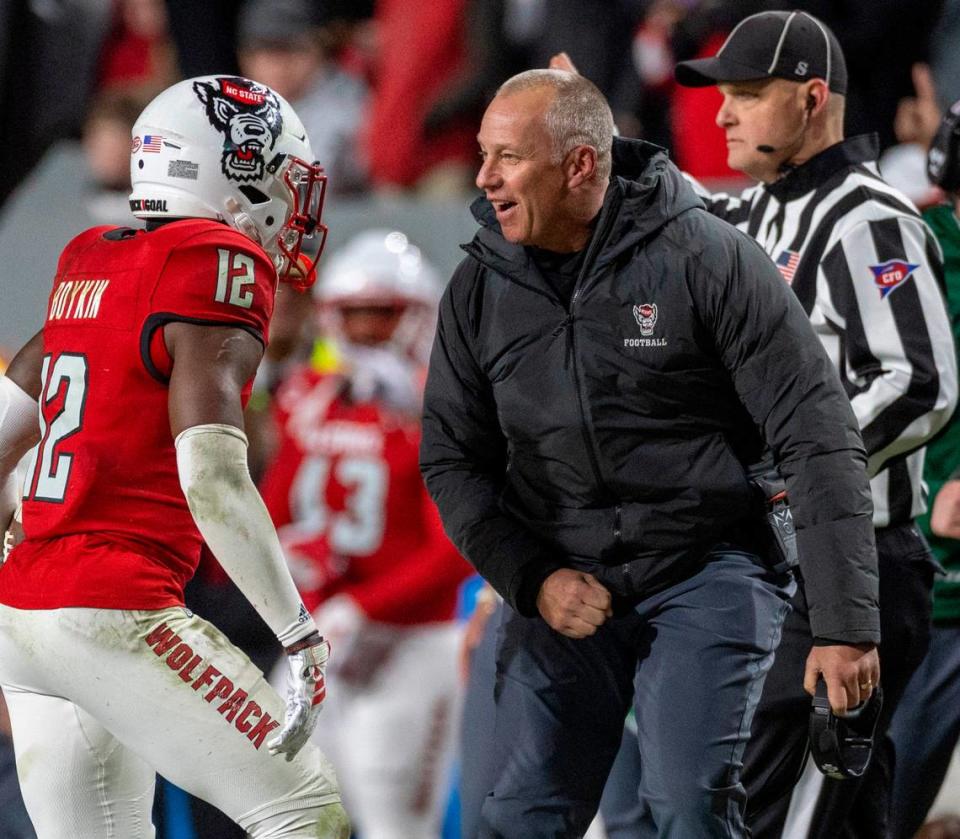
308,185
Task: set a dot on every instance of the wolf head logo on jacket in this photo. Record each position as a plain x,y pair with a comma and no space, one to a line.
646,315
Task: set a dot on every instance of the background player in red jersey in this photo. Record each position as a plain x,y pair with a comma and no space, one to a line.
364,541
141,369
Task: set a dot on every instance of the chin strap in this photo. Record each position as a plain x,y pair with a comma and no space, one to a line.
242,221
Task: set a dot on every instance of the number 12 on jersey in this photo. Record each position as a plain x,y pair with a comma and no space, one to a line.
48,470
234,271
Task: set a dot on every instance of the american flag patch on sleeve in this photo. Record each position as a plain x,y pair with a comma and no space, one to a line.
787,263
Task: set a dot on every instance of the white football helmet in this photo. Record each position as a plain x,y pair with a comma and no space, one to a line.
382,267
231,149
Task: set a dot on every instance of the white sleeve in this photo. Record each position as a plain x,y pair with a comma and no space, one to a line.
19,419
234,522
733,209
901,372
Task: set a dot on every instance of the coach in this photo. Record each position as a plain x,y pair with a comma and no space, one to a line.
608,359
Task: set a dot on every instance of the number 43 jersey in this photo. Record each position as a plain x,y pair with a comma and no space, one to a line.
350,506
105,519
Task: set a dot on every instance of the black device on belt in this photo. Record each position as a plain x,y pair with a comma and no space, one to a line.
842,746
771,486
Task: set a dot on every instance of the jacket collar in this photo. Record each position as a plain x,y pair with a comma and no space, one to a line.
818,169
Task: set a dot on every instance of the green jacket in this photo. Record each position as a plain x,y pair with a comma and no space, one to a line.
943,455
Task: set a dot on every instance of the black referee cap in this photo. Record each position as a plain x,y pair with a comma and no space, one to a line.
788,45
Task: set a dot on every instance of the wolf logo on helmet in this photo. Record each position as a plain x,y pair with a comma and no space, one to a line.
248,115
233,150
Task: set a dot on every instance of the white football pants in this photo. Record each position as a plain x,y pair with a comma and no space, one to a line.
101,699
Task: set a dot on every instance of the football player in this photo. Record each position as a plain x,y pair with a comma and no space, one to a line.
364,541
138,377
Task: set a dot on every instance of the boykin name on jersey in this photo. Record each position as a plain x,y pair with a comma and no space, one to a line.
77,299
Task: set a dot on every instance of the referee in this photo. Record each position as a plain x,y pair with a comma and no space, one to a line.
869,274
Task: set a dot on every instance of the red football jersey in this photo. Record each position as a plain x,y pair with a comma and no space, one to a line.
353,515
105,519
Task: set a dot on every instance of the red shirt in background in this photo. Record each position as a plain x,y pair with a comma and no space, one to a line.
699,144
420,48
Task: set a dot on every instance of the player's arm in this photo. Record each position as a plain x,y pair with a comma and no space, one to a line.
211,364
19,421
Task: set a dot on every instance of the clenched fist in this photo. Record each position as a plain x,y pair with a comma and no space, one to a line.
573,603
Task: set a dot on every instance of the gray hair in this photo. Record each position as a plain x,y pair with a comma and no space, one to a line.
579,114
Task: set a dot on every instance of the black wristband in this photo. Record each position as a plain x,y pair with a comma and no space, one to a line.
311,640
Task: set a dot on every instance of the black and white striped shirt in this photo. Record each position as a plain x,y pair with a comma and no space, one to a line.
869,274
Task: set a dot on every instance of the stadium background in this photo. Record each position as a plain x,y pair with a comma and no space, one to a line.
406,83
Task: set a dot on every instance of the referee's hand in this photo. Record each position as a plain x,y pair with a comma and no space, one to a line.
562,61
573,603
850,671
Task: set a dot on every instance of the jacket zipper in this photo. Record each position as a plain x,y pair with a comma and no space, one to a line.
571,344
587,440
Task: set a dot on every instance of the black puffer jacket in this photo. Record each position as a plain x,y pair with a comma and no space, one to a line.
611,434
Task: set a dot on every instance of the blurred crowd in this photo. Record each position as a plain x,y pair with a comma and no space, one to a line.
391,93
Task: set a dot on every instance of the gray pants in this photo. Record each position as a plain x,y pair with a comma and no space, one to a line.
692,658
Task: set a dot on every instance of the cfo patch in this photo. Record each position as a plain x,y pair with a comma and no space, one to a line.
891,275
